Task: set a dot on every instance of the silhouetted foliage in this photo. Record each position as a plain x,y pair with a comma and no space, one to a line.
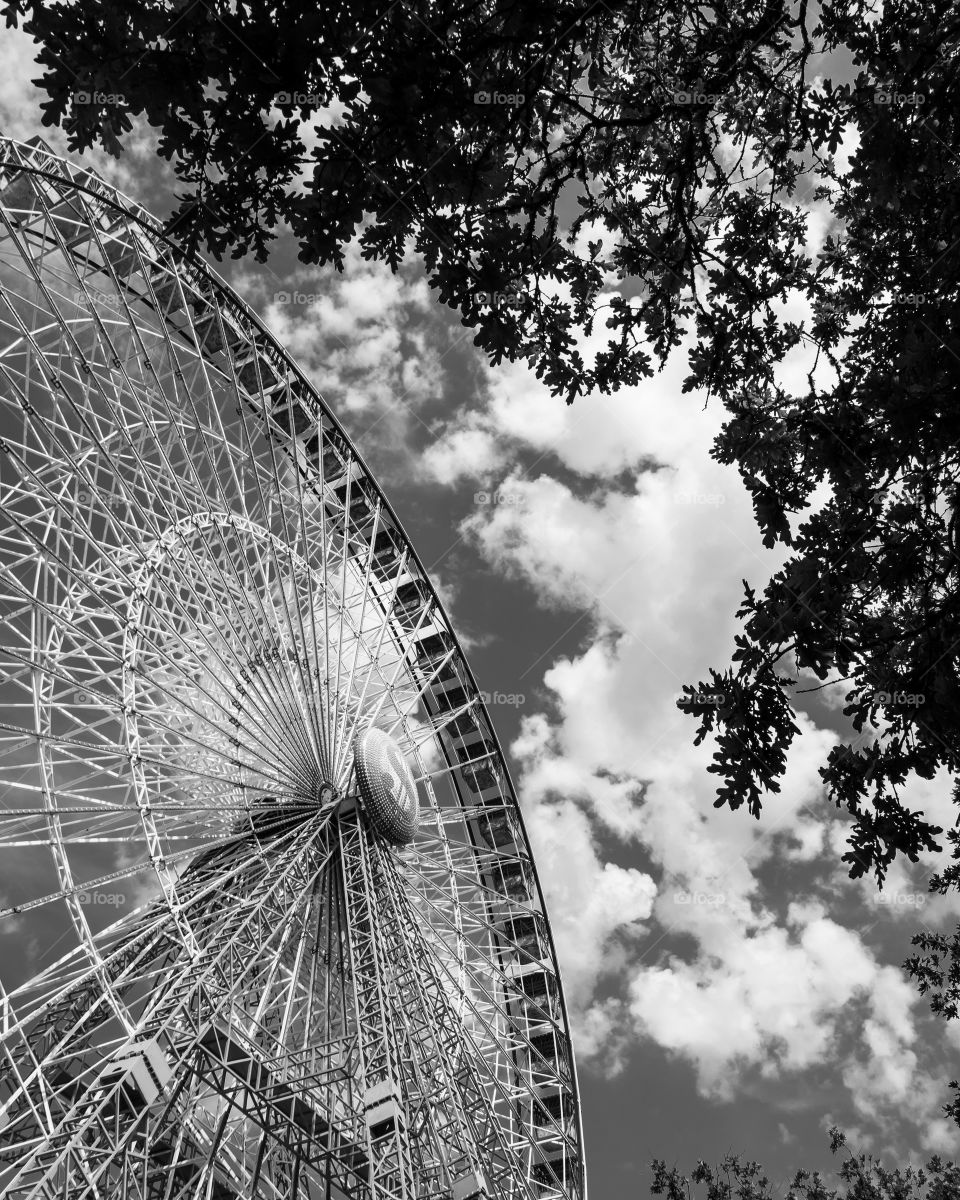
861,1178
499,140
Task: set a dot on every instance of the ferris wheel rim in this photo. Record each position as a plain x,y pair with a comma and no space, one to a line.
261,336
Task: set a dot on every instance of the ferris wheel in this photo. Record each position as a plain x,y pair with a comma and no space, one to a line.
269,920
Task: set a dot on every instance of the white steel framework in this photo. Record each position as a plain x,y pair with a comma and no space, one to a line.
205,601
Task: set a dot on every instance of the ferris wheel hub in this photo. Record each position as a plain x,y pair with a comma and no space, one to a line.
386,786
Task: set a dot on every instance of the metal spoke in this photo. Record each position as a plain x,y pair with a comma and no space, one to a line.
274,924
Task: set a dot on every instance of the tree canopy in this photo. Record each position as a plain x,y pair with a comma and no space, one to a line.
861,1177
642,173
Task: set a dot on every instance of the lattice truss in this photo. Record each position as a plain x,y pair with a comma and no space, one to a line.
205,598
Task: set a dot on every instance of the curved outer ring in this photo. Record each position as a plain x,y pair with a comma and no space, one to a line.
224,297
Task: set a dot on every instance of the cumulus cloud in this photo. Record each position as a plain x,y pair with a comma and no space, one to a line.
595,902
759,963
764,984
598,913
372,343
767,1007
469,450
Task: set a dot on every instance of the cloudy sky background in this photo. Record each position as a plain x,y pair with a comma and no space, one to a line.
731,989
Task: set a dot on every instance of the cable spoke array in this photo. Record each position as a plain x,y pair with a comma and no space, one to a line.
227,981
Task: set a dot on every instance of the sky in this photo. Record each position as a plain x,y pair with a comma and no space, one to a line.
731,989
